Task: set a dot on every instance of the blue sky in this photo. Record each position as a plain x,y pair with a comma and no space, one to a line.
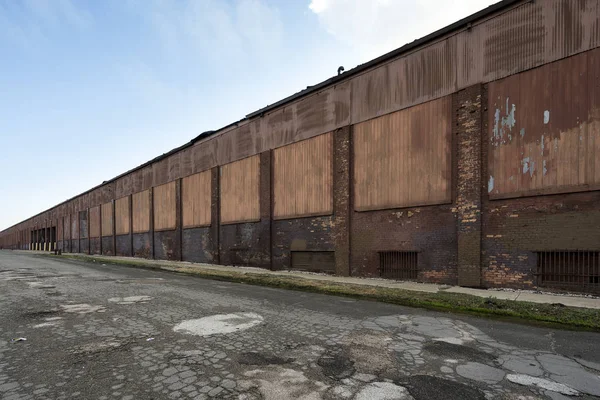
90,89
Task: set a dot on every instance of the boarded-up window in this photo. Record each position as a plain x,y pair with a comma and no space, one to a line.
240,200
107,219
59,231
83,224
164,207
196,199
95,222
302,178
141,211
122,216
403,159
74,226
544,129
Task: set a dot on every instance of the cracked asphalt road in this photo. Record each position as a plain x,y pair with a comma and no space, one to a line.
112,332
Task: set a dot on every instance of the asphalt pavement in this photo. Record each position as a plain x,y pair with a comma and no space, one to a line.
81,330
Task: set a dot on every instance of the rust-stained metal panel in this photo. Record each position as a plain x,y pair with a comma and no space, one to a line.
196,193
75,225
94,222
164,207
544,129
160,172
122,216
240,191
141,211
107,219
403,159
303,178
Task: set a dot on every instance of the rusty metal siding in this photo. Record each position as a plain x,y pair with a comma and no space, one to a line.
196,192
239,195
94,222
141,211
303,178
107,219
403,159
164,207
122,216
539,142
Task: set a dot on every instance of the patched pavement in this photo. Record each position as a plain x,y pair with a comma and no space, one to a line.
108,332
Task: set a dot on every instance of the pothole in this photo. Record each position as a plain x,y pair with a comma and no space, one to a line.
40,314
456,351
426,387
219,324
336,364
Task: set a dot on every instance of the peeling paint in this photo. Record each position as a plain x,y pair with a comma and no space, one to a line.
525,163
522,132
546,116
503,125
542,144
544,169
491,184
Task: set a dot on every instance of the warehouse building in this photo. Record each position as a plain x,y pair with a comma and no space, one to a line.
469,157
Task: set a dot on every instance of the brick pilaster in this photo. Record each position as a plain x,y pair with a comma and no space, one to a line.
467,105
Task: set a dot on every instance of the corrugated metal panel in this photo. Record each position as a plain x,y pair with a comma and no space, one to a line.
196,199
164,207
303,178
540,143
74,226
403,159
94,222
83,224
122,216
107,219
141,211
239,195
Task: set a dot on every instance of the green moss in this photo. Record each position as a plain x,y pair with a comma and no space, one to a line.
556,315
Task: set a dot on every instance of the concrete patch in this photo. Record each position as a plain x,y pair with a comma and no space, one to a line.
527,380
130,299
82,308
383,391
219,324
480,372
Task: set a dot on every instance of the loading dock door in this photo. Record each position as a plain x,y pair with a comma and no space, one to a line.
314,261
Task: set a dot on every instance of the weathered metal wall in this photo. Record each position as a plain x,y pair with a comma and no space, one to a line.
403,159
141,211
107,219
540,142
164,207
240,201
196,198
122,216
303,178
94,223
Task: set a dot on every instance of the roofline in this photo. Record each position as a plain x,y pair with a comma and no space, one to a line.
392,54
501,5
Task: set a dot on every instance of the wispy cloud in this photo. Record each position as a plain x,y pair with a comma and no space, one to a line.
217,30
374,27
29,23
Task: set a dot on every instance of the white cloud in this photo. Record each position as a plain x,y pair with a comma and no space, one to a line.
374,27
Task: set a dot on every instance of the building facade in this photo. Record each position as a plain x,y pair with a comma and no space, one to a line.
469,157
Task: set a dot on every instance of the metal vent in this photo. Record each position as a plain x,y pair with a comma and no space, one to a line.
401,265
574,270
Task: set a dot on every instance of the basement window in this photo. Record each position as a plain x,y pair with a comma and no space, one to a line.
400,265
573,270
